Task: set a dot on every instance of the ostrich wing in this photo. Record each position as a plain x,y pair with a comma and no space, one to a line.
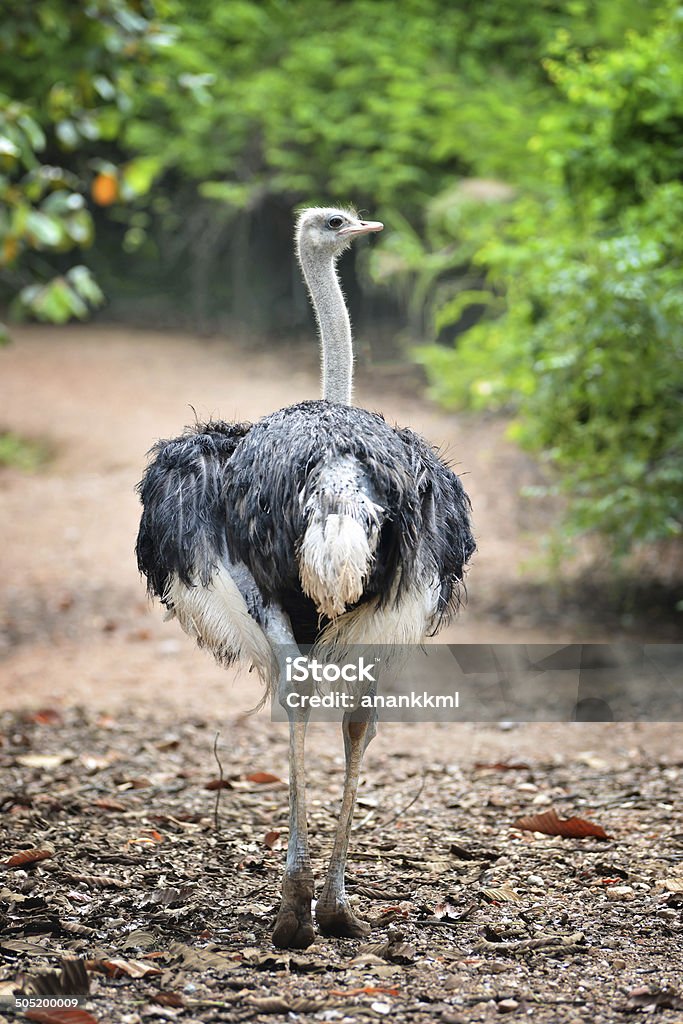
182,546
446,542
183,527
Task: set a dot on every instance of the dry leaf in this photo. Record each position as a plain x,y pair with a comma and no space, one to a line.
672,884
365,990
203,958
552,825
445,909
26,857
292,1004
118,968
44,716
101,881
502,894
105,804
219,784
168,999
659,999
148,837
71,980
61,1016
272,840
501,766
45,760
262,777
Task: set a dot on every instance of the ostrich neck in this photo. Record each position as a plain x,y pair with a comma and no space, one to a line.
334,325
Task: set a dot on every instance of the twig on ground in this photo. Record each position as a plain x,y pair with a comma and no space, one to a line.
220,779
402,811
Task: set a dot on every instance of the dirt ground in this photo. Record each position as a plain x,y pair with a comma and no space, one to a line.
110,716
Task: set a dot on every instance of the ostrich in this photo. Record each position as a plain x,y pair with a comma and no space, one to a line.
319,524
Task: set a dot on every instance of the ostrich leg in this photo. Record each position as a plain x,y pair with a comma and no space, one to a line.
332,912
294,926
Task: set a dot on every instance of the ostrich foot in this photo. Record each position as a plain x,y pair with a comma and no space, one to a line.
335,917
294,924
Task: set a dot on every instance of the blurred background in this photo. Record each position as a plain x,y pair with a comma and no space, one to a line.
523,307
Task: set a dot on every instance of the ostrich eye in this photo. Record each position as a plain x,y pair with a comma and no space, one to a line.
335,221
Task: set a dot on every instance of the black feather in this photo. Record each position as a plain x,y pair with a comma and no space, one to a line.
183,525
237,491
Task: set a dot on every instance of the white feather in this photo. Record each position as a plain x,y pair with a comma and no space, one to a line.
217,616
334,561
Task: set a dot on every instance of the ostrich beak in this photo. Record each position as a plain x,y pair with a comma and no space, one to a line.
363,227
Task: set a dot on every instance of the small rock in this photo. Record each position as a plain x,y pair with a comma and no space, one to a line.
507,1005
620,892
536,880
667,915
381,1007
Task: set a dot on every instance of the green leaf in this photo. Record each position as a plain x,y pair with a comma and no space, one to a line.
47,231
84,283
138,175
8,148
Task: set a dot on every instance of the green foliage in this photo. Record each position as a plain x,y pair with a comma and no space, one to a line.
68,79
588,346
22,453
317,99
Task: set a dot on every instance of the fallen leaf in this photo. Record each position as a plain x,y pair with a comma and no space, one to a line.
262,777
61,1016
139,939
272,840
672,884
365,990
168,999
118,968
395,951
472,853
105,804
445,909
292,1004
172,743
44,716
71,980
203,958
100,881
148,837
96,762
26,857
550,824
662,999
45,760
501,894
501,766
219,784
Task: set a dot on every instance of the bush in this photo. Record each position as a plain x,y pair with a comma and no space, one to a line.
581,326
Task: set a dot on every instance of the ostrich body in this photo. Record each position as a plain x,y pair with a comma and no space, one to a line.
320,524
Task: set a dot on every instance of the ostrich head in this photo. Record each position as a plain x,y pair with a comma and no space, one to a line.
326,231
